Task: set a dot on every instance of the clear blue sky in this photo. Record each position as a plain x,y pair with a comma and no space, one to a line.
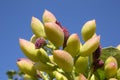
15,18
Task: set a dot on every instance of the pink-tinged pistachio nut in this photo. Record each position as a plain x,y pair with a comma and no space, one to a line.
54,33
48,17
81,64
80,77
118,74
110,59
40,42
90,46
88,30
33,39
59,76
26,66
63,59
111,67
33,54
28,49
29,77
73,45
66,33
44,67
37,27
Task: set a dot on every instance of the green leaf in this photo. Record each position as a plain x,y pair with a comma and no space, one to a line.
111,51
100,74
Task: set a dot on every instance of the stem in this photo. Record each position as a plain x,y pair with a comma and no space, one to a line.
90,73
90,67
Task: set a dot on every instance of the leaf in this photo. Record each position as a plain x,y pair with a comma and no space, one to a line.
100,74
110,51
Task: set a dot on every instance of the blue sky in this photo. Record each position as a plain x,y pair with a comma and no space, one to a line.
15,18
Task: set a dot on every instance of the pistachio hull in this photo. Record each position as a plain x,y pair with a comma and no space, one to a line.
54,33
88,30
81,64
111,67
33,54
73,45
26,66
37,27
90,46
48,17
63,59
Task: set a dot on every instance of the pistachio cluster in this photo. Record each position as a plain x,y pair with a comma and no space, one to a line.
54,53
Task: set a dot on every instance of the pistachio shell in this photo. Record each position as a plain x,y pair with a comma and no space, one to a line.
26,66
81,64
28,49
111,67
73,45
90,46
33,54
37,27
88,30
110,59
48,16
54,33
63,59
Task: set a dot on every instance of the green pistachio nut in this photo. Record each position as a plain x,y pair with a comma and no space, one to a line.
28,49
44,67
59,76
81,64
48,17
73,44
26,66
88,30
37,27
63,59
90,46
33,39
29,77
54,33
42,55
118,74
110,67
